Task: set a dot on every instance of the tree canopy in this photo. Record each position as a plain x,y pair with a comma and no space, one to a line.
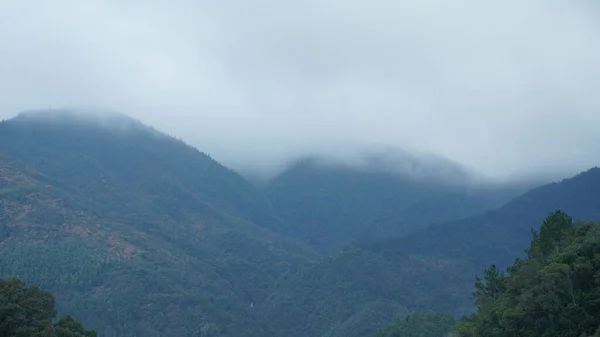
419,324
553,291
28,311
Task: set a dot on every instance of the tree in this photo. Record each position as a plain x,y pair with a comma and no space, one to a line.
551,233
490,287
29,311
555,291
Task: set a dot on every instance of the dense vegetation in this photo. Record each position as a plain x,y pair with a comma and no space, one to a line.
330,205
143,235
28,311
419,324
553,291
135,231
432,269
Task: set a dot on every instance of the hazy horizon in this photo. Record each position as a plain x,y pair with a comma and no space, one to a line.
503,87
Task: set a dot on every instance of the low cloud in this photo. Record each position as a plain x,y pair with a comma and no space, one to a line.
508,88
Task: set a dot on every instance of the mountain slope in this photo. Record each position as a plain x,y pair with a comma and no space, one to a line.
133,230
332,204
431,269
75,149
500,235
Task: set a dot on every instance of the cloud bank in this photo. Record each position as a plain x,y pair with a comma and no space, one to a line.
508,88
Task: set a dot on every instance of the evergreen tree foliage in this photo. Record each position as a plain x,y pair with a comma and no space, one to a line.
554,291
419,324
28,311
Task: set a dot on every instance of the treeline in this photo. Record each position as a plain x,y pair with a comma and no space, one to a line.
28,311
419,324
553,291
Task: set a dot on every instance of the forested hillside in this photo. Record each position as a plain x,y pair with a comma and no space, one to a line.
419,324
432,269
136,232
554,290
332,204
140,234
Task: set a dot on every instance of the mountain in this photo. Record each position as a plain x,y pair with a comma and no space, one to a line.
501,235
93,144
140,234
135,231
329,204
352,292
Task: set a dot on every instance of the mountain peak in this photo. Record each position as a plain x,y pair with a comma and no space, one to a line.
81,117
396,162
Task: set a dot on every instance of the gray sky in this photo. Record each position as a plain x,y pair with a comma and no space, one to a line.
506,87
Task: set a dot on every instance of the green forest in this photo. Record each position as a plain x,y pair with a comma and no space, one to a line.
139,234
28,311
553,291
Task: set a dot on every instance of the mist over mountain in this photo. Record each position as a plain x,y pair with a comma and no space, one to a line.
98,118
390,160
432,269
501,87
108,213
331,202
124,223
422,166
302,168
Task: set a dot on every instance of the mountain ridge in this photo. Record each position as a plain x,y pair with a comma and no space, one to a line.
334,204
432,269
125,225
145,235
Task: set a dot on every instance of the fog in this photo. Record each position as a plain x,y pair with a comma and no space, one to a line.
507,88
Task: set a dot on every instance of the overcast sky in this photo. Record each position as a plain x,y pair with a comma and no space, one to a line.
506,87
